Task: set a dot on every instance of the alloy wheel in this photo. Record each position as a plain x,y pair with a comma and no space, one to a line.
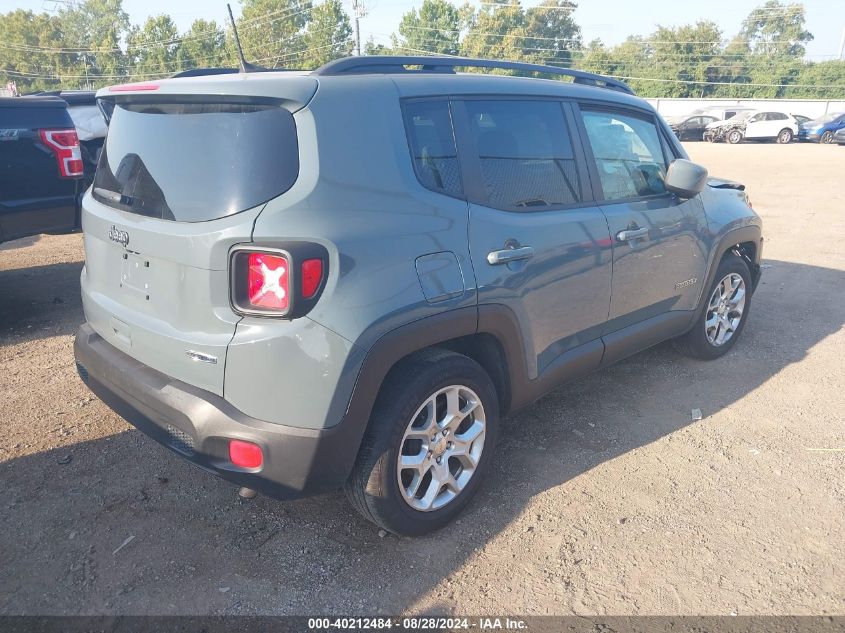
441,448
725,309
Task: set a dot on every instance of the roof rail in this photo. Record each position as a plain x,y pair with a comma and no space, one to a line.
371,64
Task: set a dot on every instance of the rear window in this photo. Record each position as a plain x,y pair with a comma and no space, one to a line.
192,162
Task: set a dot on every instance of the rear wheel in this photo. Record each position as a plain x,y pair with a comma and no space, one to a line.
827,137
725,313
734,137
785,136
431,435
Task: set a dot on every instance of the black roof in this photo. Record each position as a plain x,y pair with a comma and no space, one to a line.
32,102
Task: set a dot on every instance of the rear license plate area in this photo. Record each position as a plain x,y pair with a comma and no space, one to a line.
135,276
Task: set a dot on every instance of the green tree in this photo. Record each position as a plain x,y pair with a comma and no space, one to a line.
777,30
25,56
97,27
271,31
328,35
551,34
496,31
154,49
204,46
435,28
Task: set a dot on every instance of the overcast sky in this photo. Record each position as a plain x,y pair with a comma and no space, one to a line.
610,20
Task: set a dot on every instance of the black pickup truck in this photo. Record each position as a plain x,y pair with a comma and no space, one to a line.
41,168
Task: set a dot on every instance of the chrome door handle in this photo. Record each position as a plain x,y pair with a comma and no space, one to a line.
624,236
507,255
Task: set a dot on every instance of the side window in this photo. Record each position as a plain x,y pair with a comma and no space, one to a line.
429,129
777,116
705,120
524,154
628,154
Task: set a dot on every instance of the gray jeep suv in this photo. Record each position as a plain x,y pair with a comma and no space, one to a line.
302,281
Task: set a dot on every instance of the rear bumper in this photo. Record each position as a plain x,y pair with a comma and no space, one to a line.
198,425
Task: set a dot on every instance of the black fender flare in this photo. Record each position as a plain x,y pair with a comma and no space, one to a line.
749,233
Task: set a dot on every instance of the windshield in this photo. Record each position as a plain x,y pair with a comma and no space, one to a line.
192,162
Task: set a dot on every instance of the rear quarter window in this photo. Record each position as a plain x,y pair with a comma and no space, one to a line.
428,126
192,162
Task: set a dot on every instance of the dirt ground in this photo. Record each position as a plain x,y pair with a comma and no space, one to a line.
607,498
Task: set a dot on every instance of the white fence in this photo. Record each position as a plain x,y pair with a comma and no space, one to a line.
808,107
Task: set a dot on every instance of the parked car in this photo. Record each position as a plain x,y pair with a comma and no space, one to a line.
297,314
40,168
839,136
690,128
90,126
821,130
754,125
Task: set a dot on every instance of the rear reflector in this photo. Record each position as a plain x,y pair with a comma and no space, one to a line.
312,276
245,454
268,281
65,147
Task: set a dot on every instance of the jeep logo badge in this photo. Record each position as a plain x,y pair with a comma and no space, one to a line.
121,237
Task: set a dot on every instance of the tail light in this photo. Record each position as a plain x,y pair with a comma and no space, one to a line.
282,282
65,146
268,281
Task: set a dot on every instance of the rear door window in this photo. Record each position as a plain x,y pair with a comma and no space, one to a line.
191,162
628,154
524,153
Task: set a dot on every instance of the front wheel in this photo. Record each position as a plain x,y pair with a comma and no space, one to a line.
725,313
827,137
430,440
785,136
734,137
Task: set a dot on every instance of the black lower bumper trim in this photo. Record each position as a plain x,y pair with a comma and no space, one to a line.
198,425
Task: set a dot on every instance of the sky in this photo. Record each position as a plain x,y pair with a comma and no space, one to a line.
610,20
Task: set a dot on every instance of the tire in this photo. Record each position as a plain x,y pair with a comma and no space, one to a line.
375,487
784,136
827,138
734,136
697,342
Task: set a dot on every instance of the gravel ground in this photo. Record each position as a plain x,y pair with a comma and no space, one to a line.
607,497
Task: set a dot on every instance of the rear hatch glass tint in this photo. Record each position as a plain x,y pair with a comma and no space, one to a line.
193,162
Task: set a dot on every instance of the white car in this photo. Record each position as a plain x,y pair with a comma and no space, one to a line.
757,125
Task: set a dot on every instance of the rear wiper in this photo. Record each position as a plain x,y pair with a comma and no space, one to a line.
114,196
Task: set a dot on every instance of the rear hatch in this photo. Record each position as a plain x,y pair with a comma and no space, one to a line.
186,169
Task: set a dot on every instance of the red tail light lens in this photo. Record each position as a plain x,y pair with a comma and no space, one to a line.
277,281
268,281
312,276
245,454
65,146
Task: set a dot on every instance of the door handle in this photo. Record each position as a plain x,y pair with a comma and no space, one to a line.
507,255
624,236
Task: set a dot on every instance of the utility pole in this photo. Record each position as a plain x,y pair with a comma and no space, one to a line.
359,11
842,45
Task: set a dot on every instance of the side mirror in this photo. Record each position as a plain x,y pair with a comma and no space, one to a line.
685,178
